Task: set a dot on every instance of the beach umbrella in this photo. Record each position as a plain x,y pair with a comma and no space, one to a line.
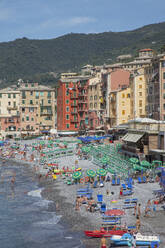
101,172
145,163
91,173
77,175
114,212
134,160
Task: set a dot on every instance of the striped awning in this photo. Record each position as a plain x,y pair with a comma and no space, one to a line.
132,137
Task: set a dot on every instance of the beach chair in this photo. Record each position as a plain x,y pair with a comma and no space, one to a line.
144,179
103,208
113,182
139,180
100,198
118,181
124,186
127,192
101,184
95,184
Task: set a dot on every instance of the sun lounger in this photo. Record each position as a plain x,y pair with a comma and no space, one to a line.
127,192
99,198
131,200
139,180
103,208
118,181
129,205
124,186
95,184
113,182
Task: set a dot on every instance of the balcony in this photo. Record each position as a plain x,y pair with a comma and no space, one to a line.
73,104
74,113
74,96
74,120
12,108
46,113
82,101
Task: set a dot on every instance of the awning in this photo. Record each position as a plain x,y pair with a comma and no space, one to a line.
132,137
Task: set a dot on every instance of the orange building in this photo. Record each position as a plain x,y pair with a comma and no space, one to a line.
72,104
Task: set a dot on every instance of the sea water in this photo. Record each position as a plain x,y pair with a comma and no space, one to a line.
25,217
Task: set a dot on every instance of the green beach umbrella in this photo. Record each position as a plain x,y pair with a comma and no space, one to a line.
77,175
91,173
145,163
134,160
101,172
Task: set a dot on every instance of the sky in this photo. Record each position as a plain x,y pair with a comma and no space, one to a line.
46,19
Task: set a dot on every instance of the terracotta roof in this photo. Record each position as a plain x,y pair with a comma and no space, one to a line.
145,50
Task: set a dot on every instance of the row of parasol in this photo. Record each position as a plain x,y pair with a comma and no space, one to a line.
90,173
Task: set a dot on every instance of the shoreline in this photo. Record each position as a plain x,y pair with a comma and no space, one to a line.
71,218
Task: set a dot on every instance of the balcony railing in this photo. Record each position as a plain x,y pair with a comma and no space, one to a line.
46,114
74,104
74,96
12,108
74,120
74,113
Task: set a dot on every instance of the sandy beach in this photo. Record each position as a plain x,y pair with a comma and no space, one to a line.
64,197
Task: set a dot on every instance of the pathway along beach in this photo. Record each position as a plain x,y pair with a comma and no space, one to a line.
64,197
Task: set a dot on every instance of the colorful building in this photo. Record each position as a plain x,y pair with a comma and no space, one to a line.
162,87
138,85
37,108
9,112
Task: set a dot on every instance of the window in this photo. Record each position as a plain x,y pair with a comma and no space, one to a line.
140,111
31,101
23,101
14,104
0,95
140,78
67,101
49,101
32,119
23,95
163,75
164,96
164,86
140,93
75,125
140,86
32,85
67,109
23,119
9,95
67,85
91,105
49,94
31,109
0,103
95,97
41,93
123,112
123,95
9,103
67,92
164,106
67,117
14,95
95,105
27,118
26,85
164,117
23,109
91,97
37,94
31,93
140,103
128,95
163,63
67,125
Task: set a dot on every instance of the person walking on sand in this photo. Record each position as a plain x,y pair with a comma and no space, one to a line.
103,242
135,209
138,223
139,210
147,208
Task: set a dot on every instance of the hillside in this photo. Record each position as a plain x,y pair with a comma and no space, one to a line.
24,58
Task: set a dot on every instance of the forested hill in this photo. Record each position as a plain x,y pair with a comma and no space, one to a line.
24,58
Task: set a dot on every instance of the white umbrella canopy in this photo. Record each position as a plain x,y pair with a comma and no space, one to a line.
53,131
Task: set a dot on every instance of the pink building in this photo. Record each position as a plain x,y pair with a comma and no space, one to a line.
10,126
118,79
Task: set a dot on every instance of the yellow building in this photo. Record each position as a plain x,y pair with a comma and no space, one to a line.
37,108
119,106
9,101
138,84
95,101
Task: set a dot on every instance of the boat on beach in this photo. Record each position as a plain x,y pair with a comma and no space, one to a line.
106,233
137,239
